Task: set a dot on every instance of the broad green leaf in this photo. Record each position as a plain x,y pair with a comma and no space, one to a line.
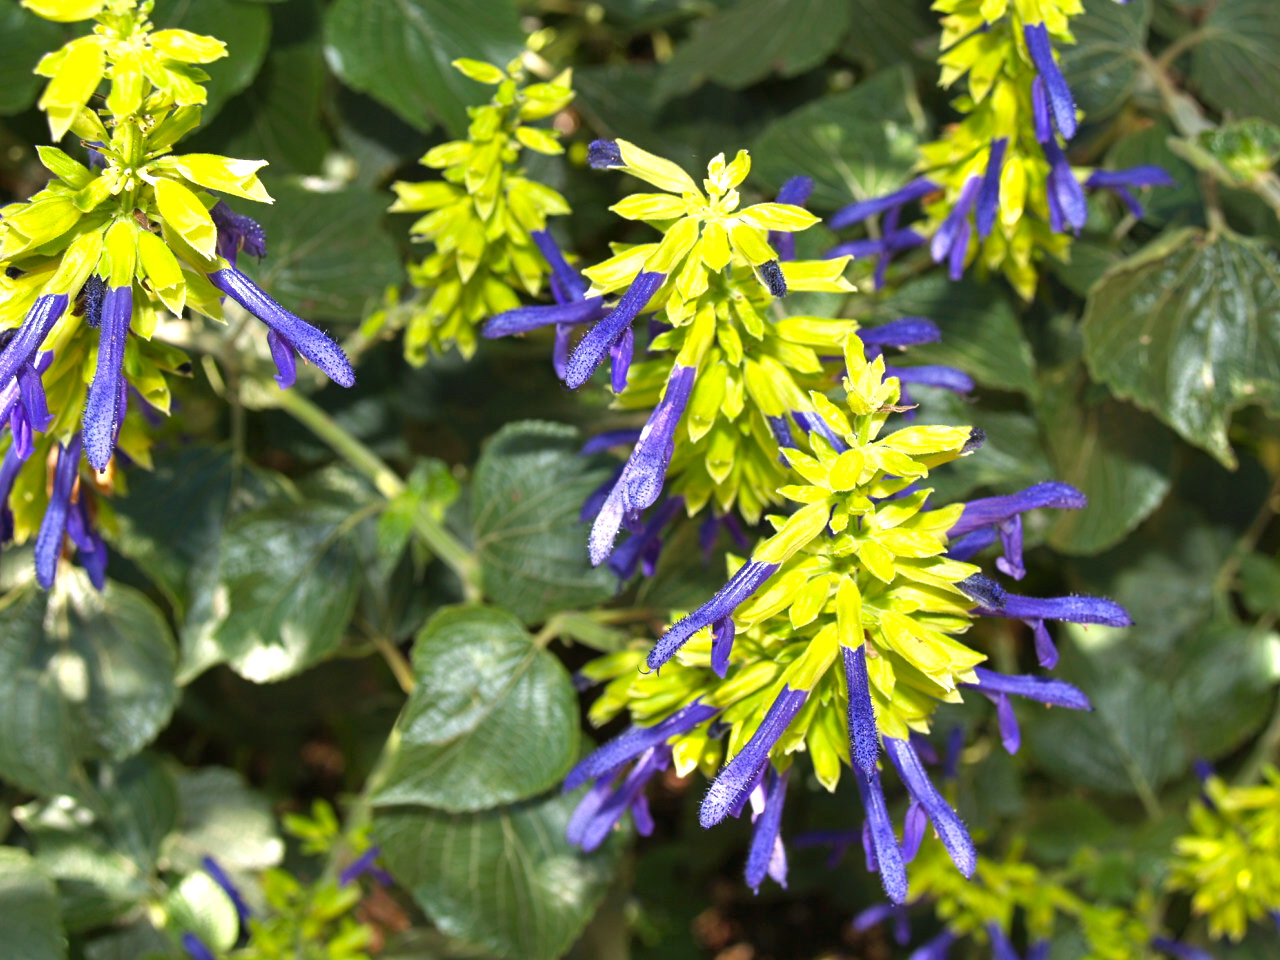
1260,584
753,39
1104,62
493,718
82,675
886,34
327,253
24,39
282,590
856,144
244,27
30,921
1187,329
530,484
197,904
400,51
505,879
1236,67
222,817
1115,455
981,333
139,941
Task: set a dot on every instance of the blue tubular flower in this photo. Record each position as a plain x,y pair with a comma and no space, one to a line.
603,806
214,870
593,347
23,405
1034,611
21,350
812,423
640,482
939,948
620,355
104,411
951,757
236,233
741,585
285,359
857,212
733,784
1041,121
883,247
1121,181
644,547
983,519
91,550
771,276
883,847
1053,693
879,913
1039,950
913,825
796,192
1061,103
945,820
1001,948
635,741
53,528
864,740
903,332
604,155
301,336
195,948
933,375
767,855
989,195
1178,950
951,241
563,315
566,282
365,865
9,467
1065,195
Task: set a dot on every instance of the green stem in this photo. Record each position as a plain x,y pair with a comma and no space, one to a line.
451,551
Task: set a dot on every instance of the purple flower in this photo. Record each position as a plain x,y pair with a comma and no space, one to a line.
365,864
592,348
913,825
214,869
1033,611
946,822
236,233
812,423
733,784
750,576
641,480
1041,121
566,283
767,856
1061,103
1120,182
951,241
903,332
884,246
604,805
879,913
989,195
635,741
933,375
53,528
857,212
939,948
643,548
563,315
1039,950
1064,193
997,687
91,549
951,758
604,155
771,276
1001,948
296,333
796,192
983,519
23,405
108,395
1182,951
195,948
21,349
879,839
864,739
9,468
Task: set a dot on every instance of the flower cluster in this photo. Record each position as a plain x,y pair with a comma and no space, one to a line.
486,220
730,378
997,187
1230,860
837,636
95,259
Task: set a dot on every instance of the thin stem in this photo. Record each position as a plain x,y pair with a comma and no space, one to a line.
451,551
398,663
1180,46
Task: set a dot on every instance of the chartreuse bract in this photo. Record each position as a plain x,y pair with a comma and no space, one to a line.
839,635
92,262
997,187
485,219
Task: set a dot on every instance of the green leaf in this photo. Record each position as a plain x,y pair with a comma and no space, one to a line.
82,675
753,39
1260,584
244,27
980,330
400,51
327,253
222,816
199,905
139,941
1236,67
855,145
887,33
281,591
30,922
1104,63
24,39
530,484
493,718
1113,454
536,893
1187,330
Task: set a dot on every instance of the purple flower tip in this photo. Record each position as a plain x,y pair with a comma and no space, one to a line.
195,948
592,349
734,782
772,276
603,154
985,591
1061,103
750,576
1056,693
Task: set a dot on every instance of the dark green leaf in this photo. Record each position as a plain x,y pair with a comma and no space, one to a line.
82,674
399,51
530,484
24,39
1236,67
327,254
1180,204
980,330
1105,61
1087,261
1115,455
223,817
30,922
536,892
244,27
1260,584
280,593
856,144
886,34
1186,329
493,718
753,39
140,941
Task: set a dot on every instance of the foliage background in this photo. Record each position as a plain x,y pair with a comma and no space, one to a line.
235,669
